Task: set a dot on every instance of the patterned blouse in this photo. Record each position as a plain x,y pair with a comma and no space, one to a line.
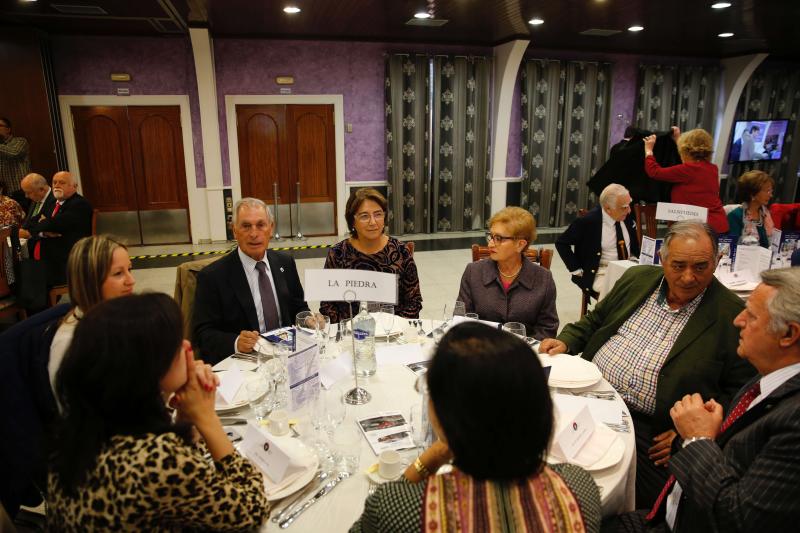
160,483
11,213
394,258
397,506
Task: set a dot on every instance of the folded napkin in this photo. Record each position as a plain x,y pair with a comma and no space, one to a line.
301,460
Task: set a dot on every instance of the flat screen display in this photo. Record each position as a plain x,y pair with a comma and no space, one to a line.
757,140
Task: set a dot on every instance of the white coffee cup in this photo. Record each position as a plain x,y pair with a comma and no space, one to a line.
390,464
279,422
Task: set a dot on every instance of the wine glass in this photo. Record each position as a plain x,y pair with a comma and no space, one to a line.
517,328
305,320
459,309
323,334
418,428
258,396
387,320
333,409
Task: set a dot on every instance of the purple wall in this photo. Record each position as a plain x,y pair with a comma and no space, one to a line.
156,65
352,69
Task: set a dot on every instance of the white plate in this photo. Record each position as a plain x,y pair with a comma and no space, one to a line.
294,448
226,364
240,400
572,384
612,457
571,370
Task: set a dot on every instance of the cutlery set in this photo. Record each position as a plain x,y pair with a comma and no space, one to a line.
323,483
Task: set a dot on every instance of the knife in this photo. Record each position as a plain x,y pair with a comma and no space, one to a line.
311,501
233,421
315,485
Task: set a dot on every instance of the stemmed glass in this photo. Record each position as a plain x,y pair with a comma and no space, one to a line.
459,309
517,328
387,320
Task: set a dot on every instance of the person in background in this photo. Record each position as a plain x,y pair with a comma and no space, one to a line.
11,213
508,287
98,269
606,233
499,475
752,221
369,248
120,461
41,197
696,180
15,162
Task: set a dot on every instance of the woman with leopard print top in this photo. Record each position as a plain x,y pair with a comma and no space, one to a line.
119,461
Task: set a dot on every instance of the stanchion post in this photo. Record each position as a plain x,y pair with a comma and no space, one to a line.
276,235
299,236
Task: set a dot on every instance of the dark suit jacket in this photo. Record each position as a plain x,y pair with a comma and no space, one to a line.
73,221
223,304
47,208
749,478
586,234
703,358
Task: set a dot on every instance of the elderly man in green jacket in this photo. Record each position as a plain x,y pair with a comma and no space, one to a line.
661,334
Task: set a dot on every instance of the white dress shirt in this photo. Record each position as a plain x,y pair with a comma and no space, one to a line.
608,241
250,272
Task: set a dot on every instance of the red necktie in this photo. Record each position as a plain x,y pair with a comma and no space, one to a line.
740,409
37,249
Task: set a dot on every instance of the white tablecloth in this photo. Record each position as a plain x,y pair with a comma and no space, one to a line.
614,271
392,388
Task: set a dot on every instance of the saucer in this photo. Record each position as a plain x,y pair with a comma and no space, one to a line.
372,474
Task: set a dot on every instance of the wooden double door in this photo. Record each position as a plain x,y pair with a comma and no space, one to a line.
287,145
133,171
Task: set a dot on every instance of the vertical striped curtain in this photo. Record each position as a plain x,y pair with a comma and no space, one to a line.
683,96
460,143
406,117
565,118
773,92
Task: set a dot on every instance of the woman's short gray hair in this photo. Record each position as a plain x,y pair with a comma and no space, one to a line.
252,203
610,194
689,229
784,306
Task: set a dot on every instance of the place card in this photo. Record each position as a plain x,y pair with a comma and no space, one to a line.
230,382
265,453
575,433
675,212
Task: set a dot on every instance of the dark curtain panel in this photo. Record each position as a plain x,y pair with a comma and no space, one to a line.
683,96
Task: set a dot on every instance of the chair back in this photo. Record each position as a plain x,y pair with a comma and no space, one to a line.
541,256
94,221
185,287
645,216
410,247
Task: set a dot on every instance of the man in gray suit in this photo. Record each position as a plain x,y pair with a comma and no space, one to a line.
738,470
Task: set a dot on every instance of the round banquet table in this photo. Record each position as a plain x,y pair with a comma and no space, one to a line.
392,389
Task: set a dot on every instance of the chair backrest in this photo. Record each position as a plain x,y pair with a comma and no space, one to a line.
645,215
730,207
410,247
185,287
541,256
94,221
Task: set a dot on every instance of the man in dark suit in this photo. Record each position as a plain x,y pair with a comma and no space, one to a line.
662,333
249,291
606,233
41,196
52,233
737,469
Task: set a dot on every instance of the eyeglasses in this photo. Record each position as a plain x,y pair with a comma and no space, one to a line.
377,216
498,239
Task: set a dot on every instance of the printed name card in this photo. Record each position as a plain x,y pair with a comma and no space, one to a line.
669,211
575,434
330,284
265,454
230,382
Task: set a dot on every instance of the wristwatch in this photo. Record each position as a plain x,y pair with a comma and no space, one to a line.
694,439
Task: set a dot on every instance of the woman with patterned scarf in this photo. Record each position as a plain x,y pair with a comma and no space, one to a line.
491,410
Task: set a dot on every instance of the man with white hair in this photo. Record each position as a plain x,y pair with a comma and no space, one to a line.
606,233
40,194
249,291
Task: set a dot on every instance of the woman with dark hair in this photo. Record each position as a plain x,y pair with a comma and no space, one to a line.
696,180
369,248
119,461
752,221
491,410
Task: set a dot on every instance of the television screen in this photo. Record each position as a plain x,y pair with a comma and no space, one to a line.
757,140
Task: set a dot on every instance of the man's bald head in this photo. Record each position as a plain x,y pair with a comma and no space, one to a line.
35,187
64,185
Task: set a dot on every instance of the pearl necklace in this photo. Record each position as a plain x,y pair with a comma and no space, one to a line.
509,275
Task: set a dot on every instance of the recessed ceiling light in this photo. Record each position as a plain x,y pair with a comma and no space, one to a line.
536,21
720,5
636,28
725,34
422,15
292,10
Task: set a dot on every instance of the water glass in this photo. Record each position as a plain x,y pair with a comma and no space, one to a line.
258,397
517,328
347,448
472,316
459,309
418,426
305,320
323,334
387,320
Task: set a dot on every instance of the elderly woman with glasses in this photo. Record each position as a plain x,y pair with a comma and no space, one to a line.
751,221
508,287
369,248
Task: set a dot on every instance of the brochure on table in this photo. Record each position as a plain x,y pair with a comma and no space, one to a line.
789,242
302,365
648,254
386,430
727,251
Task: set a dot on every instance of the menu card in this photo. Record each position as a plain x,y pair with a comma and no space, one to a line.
387,431
752,259
303,369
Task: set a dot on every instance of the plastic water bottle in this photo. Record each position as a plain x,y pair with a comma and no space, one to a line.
364,340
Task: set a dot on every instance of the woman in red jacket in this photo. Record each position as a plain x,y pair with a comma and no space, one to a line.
696,180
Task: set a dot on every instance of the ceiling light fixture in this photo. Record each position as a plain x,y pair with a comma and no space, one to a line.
292,10
636,28
725,34
536,21
720,5
422,15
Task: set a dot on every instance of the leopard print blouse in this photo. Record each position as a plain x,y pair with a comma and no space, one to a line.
160,483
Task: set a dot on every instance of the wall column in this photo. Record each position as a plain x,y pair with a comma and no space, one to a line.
507,58
203,52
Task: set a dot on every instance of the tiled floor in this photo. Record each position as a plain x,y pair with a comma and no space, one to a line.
440,271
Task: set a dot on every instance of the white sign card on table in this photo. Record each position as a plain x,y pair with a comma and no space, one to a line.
338,284
753,260
675,212
648,254
574,434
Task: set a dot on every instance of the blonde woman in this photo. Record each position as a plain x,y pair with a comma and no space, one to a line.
98,269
